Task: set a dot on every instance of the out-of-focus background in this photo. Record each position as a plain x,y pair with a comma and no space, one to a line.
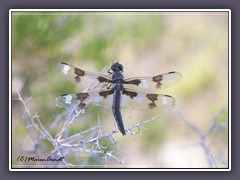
194,134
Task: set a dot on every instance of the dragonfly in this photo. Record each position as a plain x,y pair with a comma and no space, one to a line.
119,91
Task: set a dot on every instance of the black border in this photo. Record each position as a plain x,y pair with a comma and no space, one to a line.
132,169
235,64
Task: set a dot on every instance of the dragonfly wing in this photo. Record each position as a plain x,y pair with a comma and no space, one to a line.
160,81
84,79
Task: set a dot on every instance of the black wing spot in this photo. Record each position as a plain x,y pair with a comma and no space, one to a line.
64,63
82,96
82,105
131,94
158,80
152,105
63,95
152,98
106,93
79,73
134,81
103,79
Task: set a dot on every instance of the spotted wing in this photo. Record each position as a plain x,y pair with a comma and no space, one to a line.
147,101
84,78
160,81
82,100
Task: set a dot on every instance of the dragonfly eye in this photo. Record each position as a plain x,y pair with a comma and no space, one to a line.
120,67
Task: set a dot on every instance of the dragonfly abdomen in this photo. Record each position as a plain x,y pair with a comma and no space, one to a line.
116,110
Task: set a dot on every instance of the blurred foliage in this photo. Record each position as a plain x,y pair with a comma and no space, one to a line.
146,43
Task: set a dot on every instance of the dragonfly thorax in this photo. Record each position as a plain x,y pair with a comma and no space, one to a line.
117,77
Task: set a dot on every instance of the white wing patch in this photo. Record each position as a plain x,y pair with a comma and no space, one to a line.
68,99
144,84
164,100
170,77
65,69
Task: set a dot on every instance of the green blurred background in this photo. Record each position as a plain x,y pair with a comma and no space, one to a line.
146,43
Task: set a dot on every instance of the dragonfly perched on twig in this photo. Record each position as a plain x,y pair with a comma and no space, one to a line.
117,89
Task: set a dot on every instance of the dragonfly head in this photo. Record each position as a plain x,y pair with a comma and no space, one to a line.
117,67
